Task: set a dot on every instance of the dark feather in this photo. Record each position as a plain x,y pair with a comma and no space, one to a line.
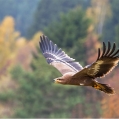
98,54
113,49
103,65
104,49
115,53
109,47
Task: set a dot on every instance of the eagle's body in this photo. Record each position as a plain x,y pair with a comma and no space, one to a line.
73,73
67,79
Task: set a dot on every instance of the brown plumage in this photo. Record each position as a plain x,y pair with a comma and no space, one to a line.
73,73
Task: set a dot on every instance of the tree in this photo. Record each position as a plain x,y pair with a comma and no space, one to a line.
8,36
22,11
109,104
110,31
49,11
70,32
36,95
98,11
39,96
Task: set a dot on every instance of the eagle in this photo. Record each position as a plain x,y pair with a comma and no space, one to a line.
73,73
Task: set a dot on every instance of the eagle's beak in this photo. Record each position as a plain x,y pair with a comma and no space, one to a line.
57,81
54,79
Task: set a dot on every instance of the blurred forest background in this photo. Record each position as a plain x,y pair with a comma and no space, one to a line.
26,80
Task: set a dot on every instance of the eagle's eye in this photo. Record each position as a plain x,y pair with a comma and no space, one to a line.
59,79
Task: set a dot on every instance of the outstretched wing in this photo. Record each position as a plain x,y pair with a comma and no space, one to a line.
57,58
104,63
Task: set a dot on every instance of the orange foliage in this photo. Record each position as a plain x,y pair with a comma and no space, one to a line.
14,49
92,44
110,104
25,50
7,40
97,12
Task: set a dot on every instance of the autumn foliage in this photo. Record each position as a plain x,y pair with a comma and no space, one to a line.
26,90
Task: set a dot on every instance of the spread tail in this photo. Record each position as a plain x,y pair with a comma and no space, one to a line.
103,87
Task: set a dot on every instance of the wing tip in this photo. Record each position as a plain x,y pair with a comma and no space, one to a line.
107,51
42,37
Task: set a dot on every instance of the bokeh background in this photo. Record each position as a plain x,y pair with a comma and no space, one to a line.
26,80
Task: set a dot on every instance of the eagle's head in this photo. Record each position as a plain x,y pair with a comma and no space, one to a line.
59,80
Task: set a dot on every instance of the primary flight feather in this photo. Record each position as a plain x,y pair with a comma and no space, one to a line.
73,73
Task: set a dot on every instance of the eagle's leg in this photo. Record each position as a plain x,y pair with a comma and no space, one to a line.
103,87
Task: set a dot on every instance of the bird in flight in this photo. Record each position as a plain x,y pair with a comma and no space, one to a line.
73,73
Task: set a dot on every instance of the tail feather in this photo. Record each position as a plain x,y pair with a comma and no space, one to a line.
103,87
